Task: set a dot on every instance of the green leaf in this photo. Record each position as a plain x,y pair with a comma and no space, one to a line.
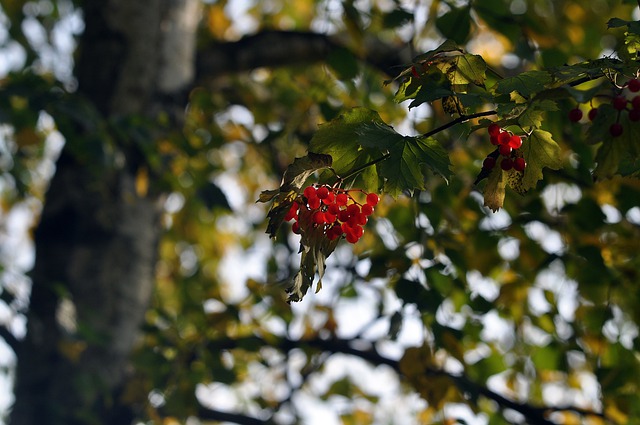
533,115
526,84
404,169
344,63
339,138
464,69
539,151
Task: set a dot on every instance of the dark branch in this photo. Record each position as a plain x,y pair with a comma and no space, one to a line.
366,351
271,49
9,338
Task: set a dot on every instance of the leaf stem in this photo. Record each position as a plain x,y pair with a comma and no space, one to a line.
362,167
460,119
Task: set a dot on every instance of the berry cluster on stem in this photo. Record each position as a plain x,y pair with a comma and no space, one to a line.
620,103
333,210
507,143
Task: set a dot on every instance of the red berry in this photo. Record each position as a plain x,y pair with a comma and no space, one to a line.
351,237
293,212
296,228
322,192
333,209
353,209
318,218
488,163
519,164
615,129
330,199
515,141
343,216
503,138
505,150
634,85
329,218
593,112
619,103
506,164
634,115
341,199
314,202
635,102
575,115
309,191
367,209
493,129
414,72
372,199
494,140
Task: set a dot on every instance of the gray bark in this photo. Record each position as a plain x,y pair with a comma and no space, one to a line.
97,240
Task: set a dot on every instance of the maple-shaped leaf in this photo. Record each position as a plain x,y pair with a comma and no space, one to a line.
294,177
409,158
315,248
463,69
539,151
526,84
339,139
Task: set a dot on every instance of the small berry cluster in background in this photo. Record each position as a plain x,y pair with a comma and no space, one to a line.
333,210
508,143
620,103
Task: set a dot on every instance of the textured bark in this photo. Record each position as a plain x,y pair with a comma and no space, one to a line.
97,240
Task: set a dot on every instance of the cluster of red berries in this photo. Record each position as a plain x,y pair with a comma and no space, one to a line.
620,103
333,210
508,143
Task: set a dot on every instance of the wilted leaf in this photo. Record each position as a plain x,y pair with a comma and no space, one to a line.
294,177
494,191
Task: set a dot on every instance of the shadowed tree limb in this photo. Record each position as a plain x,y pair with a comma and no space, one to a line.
367,351
272,48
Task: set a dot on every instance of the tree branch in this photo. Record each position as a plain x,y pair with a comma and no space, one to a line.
9,338
270,48
367,351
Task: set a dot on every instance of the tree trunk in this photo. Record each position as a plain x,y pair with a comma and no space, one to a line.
97,240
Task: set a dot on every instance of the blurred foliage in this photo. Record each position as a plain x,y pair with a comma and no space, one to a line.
536,304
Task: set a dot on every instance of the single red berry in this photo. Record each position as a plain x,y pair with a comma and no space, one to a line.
341,199
593,112
330,199
494,140
309,191
314,202
503,138
351,237
488,163
358,231
505,150
619,103
493,129
373,199
506,164
292,213
635,102
296,228
615,129
322,192
343,216
575,115
367,209
519,164
353,209
329,218
634,115
333,209
634,85
318,218
515,141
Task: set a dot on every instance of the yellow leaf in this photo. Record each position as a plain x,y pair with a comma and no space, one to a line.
494,191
